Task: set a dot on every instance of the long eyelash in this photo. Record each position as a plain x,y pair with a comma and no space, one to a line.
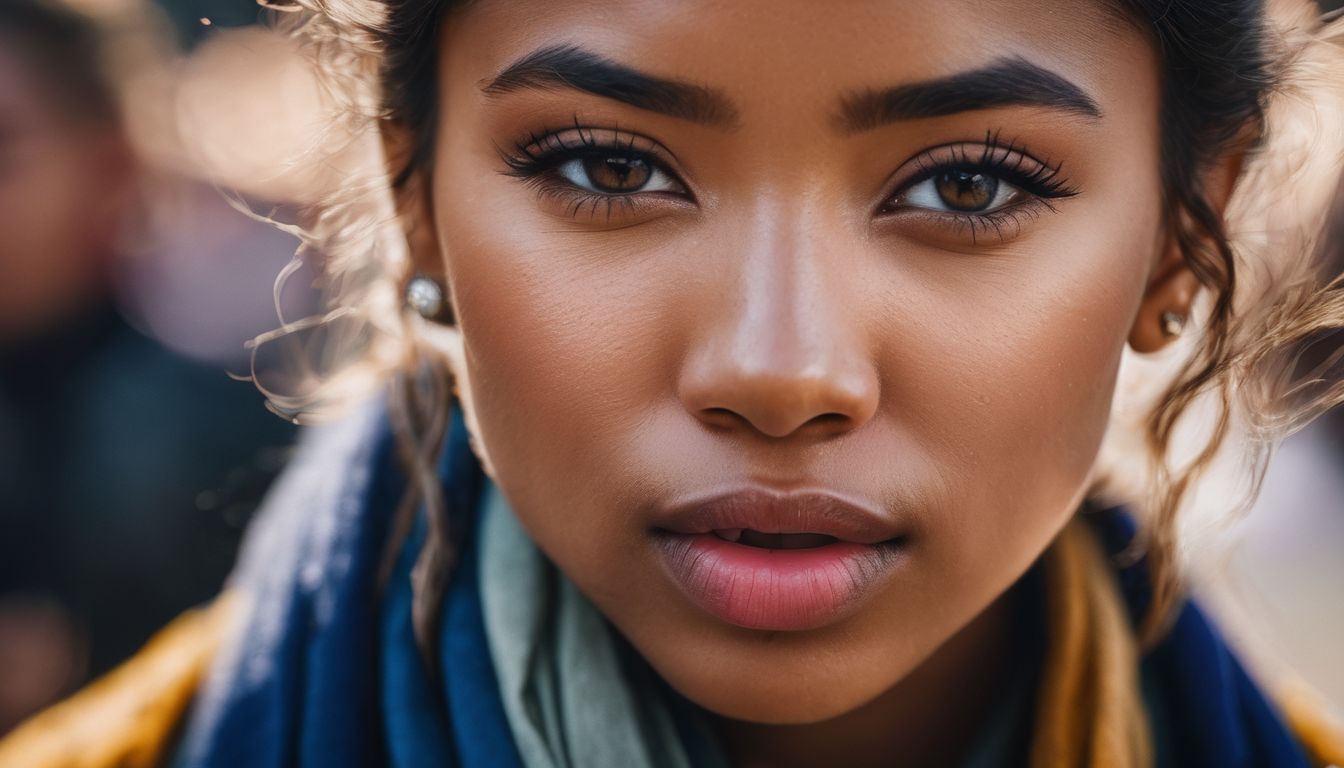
534,158
588,204
1010,162
1006,160
979,224
538,153
541,152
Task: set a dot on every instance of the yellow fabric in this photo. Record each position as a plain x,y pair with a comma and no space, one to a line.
1320,731
129,717
1089,713
1089,709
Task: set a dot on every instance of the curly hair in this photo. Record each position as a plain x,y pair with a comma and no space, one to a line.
1238,76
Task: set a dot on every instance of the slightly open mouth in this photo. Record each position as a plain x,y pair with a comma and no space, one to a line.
774,540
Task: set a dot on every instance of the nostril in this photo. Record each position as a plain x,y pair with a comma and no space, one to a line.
723,418
826,425
821,425
830,420
787,396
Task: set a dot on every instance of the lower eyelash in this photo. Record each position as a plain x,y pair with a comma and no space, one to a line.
536,160
980,224
581,203
1041,183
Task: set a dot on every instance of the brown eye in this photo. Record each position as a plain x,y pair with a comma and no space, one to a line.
966,191
617,173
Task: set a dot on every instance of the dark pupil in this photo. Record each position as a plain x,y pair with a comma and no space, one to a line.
967,190
614,173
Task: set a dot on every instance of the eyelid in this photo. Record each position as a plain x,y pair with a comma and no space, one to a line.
1036,184
550,147
538,158
655,170
1005,194
1007,160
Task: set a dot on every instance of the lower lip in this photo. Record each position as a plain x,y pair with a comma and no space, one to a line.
778,589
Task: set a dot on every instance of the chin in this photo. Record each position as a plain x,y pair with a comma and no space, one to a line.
805,691
797,705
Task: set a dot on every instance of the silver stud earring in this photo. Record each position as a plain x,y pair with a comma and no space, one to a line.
425,296
1173,323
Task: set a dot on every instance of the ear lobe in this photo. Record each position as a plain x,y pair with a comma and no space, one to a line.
1171,292
1173,286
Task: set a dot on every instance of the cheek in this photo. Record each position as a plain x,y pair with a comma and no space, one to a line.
1009,370
997,369
996,372
566,350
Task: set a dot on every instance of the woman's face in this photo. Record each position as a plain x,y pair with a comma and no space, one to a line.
859,270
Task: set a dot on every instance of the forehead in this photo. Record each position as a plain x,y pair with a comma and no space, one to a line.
773,52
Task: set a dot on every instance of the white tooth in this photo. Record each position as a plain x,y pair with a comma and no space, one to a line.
729,534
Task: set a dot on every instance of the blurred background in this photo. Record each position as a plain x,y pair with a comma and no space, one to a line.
132,456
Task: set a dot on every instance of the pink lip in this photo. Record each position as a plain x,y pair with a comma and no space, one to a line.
777,589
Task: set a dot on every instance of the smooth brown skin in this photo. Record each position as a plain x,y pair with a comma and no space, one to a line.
775,328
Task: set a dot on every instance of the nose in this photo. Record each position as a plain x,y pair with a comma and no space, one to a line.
783,352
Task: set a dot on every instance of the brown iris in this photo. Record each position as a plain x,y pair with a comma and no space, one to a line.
966,190
617,173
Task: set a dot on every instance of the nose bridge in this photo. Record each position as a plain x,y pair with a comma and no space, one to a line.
783,319
783,352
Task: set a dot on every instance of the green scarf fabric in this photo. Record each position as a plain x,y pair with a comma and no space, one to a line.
569,699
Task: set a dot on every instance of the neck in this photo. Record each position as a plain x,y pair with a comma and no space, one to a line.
925,718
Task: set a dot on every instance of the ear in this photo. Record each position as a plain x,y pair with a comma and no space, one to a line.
1172,285
415,206
415,209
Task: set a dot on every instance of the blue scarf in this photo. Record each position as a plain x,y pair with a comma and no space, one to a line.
324,671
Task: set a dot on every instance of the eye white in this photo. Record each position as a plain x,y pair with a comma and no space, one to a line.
575,173
925,195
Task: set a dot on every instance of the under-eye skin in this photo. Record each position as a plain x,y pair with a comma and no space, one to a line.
601,174
974,189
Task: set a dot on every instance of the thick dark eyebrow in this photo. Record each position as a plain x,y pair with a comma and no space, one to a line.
568,66
1005,83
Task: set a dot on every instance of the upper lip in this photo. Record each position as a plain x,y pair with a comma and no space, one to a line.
771,511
